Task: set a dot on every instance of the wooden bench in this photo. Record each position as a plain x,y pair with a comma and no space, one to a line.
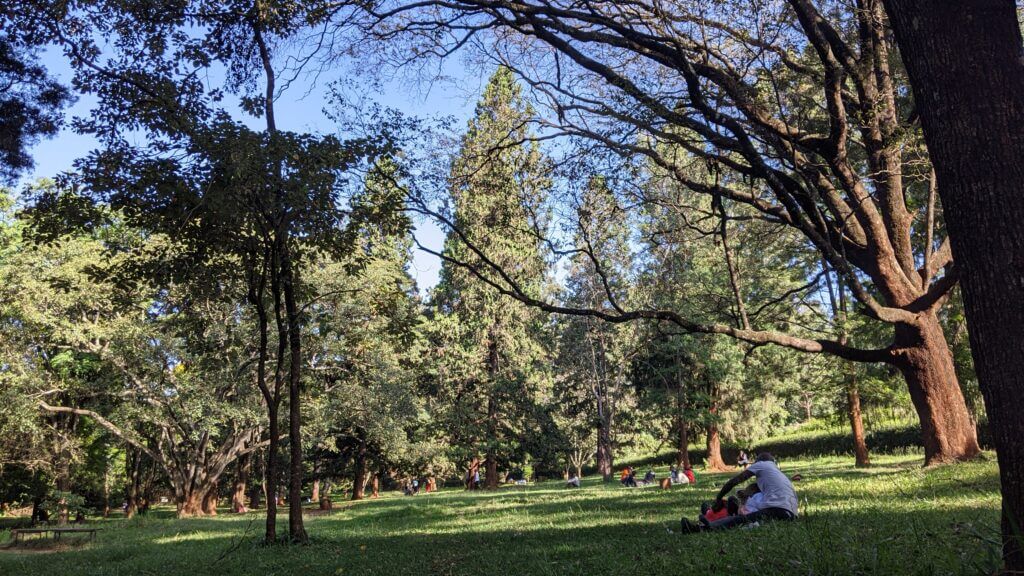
18,534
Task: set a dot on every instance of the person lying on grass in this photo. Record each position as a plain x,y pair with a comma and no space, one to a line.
779,501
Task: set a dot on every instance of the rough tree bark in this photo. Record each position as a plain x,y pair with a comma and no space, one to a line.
923,357
860,446
965,67
210,500
715,463
238,493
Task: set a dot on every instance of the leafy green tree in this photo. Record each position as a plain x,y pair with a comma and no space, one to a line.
594,356
32,102
366,348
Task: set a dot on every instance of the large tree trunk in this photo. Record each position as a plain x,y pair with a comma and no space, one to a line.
491,470
715,462
860,446
923,356
965,66
133,467
189,504
244,465
210,499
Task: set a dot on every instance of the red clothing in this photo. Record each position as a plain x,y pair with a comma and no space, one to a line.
711,515
690,476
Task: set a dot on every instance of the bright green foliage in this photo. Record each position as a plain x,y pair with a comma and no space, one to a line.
594,356
716,380
366,347
165,369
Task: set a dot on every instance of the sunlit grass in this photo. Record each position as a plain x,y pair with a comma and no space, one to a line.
895,518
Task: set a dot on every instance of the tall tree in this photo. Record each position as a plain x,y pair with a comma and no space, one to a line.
491,344
239,201
595,354
802,110
965,67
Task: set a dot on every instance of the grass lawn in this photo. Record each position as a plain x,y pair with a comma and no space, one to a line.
895,518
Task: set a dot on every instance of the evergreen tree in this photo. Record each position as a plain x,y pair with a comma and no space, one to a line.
491,347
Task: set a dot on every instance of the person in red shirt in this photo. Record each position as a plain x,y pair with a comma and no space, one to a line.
715,511
688,471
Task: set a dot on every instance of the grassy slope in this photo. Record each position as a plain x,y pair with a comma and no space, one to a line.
893,519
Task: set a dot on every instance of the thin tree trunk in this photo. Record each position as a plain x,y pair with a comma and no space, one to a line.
860,446
605,454
270,535
682,443
315,493
965,66
133,464
359,476
742,320
106,487
491,458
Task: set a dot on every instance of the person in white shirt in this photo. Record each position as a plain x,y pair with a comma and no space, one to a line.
778,500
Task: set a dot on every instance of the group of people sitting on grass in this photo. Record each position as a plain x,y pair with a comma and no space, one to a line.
628,477
770,497
675,476
682,475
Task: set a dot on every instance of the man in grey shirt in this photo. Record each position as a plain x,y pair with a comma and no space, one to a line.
780,501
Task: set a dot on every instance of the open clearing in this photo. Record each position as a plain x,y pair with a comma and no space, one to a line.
895,518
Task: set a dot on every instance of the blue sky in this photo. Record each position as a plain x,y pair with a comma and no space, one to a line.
300,108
